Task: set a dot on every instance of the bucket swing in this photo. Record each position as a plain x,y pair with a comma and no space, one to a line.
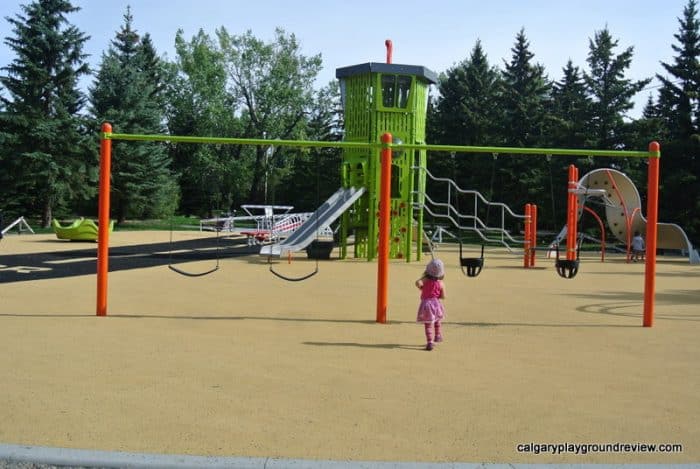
471,266
568,268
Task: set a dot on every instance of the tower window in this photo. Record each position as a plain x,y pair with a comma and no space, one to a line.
388,90
403,90
396,90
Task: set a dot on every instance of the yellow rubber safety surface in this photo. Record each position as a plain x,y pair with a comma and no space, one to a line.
241,363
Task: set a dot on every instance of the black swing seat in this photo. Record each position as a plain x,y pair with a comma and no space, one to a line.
471,266
193,274
566,268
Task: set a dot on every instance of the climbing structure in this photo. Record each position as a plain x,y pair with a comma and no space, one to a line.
379,98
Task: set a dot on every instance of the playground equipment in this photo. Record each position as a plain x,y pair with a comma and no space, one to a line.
479,221
447,213
623,211
378,97
274,222
317,225
376,89
20,223
81,229
385,215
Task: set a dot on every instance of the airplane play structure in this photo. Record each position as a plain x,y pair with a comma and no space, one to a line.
384,174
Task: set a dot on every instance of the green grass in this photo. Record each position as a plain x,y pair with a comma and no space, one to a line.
178,222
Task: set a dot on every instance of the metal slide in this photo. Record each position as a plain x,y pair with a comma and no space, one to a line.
622,200
315,225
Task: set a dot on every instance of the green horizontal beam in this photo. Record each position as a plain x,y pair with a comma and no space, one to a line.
237,141
370,146
527,151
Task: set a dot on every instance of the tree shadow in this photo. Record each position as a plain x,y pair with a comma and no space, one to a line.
620,304
83,261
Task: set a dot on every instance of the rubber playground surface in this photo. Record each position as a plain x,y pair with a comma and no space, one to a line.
241,363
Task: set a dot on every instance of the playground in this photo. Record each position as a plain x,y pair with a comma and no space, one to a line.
241,363
545,360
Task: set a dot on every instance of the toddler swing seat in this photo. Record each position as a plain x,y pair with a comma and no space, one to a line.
567,268
471,266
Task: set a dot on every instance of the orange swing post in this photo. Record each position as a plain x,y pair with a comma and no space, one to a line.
103,219
528,236
533,234
571,215
384,228
652,231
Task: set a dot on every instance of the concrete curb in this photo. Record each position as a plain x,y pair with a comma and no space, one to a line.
12,456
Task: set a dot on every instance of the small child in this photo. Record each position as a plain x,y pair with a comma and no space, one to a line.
637,247
431,311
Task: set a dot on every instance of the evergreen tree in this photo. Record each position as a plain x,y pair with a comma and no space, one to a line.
464,114
570,111
649,127
465,111
679,110
126,94
611,92
525,100
680,91
525,96
48,158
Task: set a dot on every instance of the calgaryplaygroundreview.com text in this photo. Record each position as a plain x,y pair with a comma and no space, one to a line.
587,448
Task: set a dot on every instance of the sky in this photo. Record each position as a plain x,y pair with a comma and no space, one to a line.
437,34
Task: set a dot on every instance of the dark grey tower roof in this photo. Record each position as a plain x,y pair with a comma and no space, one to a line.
421,72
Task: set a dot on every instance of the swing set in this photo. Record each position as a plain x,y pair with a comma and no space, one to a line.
567,267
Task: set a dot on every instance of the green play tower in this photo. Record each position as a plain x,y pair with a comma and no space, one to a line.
379,98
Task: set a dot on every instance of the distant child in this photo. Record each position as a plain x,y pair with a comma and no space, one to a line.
637,247
432,290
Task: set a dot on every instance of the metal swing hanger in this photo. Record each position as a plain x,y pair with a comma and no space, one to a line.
184,272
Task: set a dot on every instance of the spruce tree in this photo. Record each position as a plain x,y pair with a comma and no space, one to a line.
525,100
679,94
126,94
48,158
679,110
464,114
610,91
570,111
525,96
465,111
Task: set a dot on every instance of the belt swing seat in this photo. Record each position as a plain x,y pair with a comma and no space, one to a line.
192,274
